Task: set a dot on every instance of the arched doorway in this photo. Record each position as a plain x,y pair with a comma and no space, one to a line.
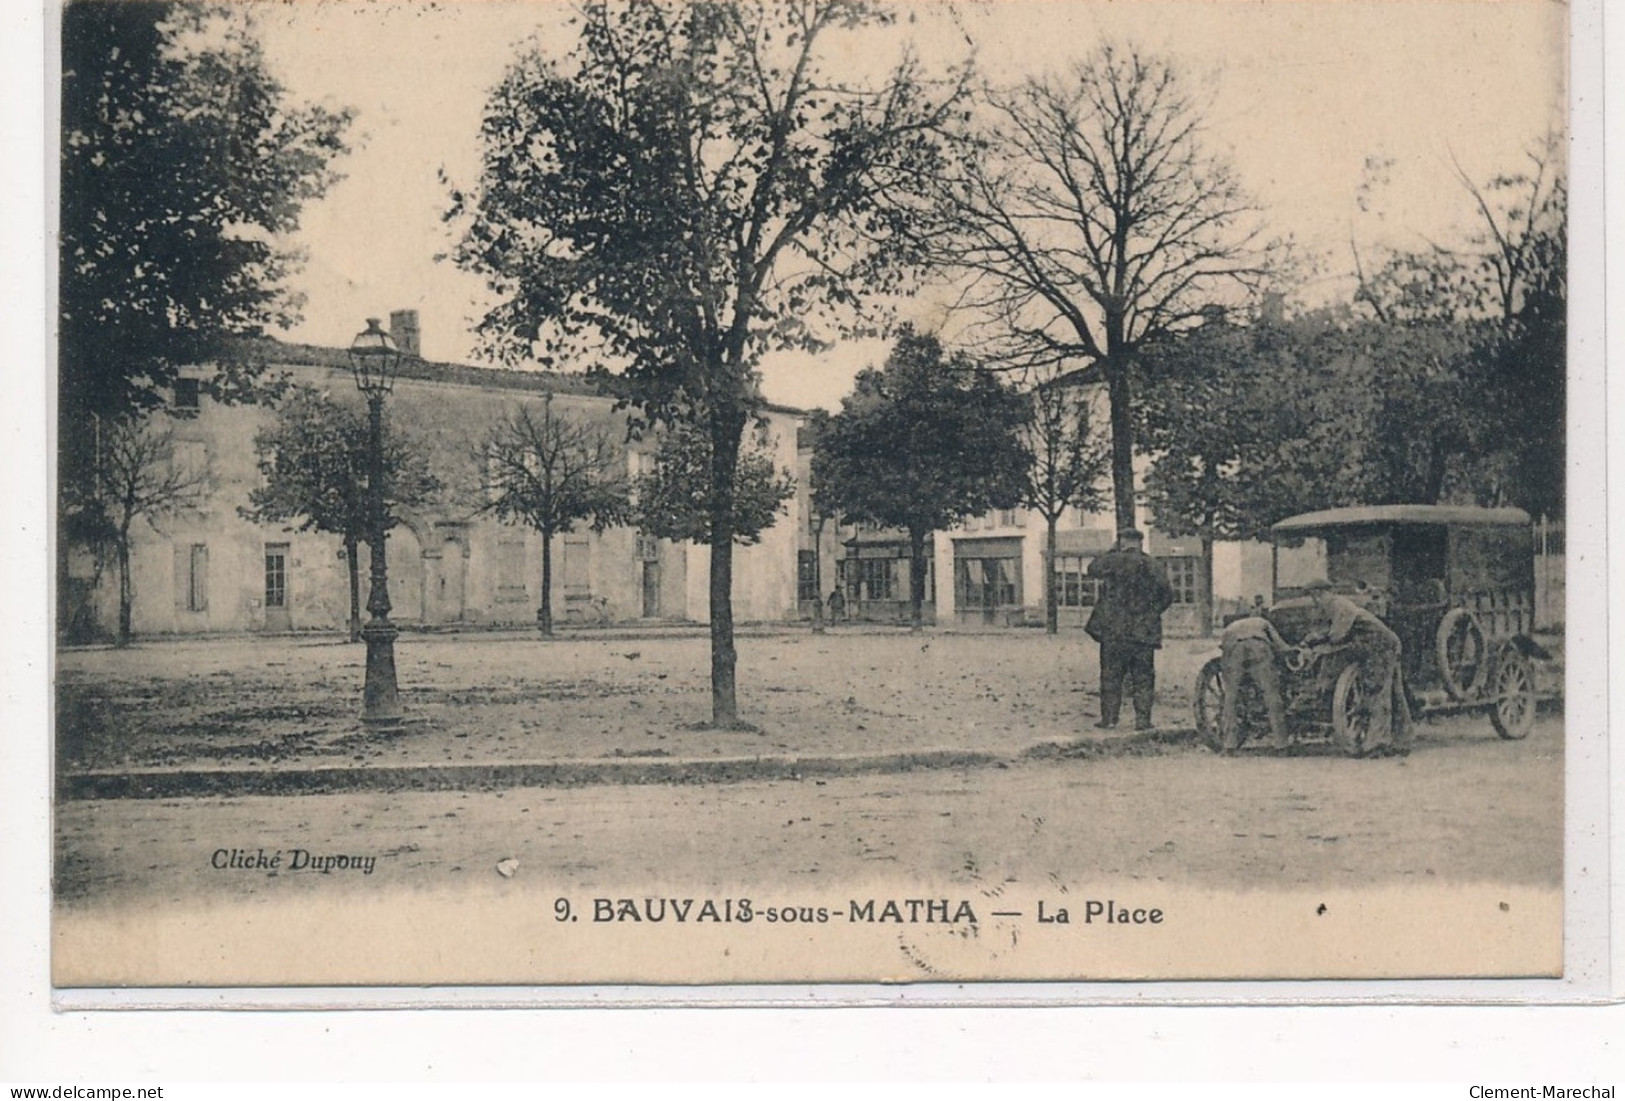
445,568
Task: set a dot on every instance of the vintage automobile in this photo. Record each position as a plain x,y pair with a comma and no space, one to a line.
1456,584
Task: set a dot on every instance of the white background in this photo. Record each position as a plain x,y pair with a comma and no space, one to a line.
1486,1044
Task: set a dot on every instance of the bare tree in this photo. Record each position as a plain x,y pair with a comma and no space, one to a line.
1090,219
1068,464
549,472
1496,302
136,475
1521,215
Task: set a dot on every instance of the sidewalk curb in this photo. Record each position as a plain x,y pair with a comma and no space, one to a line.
1111,746
193,783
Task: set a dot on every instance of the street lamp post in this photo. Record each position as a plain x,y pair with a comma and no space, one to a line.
374,359
818,572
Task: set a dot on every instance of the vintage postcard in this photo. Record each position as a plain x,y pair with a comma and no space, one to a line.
814,491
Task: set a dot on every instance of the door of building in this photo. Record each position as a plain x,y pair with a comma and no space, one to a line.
448,575
987,586
651,590
278,612
987,580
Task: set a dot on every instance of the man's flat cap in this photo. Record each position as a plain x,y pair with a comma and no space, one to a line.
1130,535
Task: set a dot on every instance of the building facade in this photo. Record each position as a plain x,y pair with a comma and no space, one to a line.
451,564
991,571
454,565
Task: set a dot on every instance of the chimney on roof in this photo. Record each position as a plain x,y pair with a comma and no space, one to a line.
403,329
1272,311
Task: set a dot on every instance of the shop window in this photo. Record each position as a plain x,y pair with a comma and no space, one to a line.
1074,588
1182,578
872,579
986,583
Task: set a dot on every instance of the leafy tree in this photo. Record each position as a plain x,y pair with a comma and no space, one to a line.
920,445
1531,372
183,166
690,187
136,475
315,459
1247,424
1068,463
1090,221
673,498
1232,415
549,471
183,163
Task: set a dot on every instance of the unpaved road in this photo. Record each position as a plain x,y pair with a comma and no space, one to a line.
1465,807
292,702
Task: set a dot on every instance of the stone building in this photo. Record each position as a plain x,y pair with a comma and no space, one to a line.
453,565
450,565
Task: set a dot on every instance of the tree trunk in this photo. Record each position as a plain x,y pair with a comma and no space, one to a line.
1204,595
352,547
1119,397
544,614
1437,469
1052,608
726,433
1210,523
916,579
125,590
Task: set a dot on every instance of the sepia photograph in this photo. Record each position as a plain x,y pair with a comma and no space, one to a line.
703,492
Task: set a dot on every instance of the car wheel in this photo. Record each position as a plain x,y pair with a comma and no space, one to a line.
1350,715
1207,703
1513,688
1462,655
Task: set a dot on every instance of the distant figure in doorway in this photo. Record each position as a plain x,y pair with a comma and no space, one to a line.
1127,622
837,606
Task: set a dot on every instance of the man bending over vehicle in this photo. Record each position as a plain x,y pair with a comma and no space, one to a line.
1248,650
1377,649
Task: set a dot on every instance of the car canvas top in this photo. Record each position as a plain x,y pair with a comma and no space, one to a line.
1404,514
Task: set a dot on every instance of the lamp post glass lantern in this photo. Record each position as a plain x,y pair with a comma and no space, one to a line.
374,359
819,518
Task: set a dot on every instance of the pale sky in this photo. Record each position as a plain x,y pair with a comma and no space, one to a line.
1301,94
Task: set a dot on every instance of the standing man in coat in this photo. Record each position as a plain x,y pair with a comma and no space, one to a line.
1127,622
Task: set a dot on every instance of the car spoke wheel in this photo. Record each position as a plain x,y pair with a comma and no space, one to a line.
1350,715
1463,658
1514,691
1207,703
